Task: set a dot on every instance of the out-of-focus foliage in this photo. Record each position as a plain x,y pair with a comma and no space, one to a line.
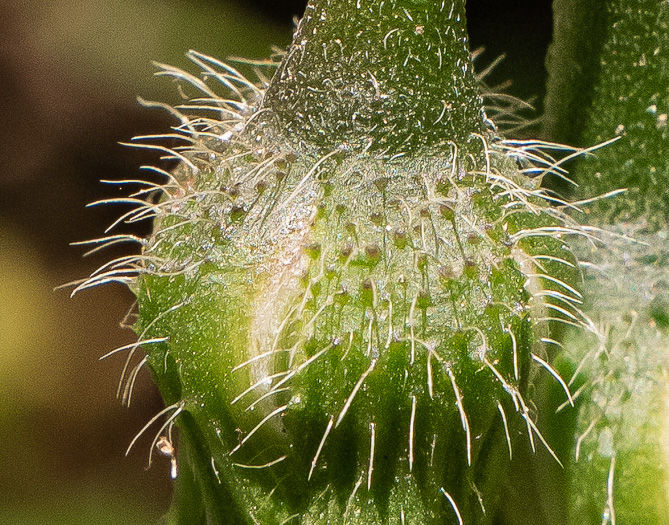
70,72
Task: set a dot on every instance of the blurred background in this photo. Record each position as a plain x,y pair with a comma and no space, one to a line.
70,72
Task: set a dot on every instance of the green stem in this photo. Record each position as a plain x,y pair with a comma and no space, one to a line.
609,76
609,72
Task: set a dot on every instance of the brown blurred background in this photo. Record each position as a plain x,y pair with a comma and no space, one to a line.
70,71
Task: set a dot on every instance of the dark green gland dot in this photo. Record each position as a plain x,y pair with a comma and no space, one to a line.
340,156
447,212
367,292
470,270
474,239
304,278
376,218
207,268
321,210
341,297
261,187
285,160
350,228
281,163
496,233
340,208
400,239
423,300
425,213
233,191
327,188
313,250
280,175
659,311
237,213
491,310
381,183
421,261
346,251
373,253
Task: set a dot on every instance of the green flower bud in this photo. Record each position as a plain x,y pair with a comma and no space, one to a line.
349,284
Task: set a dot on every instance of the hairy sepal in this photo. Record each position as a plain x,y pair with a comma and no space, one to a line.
352,335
